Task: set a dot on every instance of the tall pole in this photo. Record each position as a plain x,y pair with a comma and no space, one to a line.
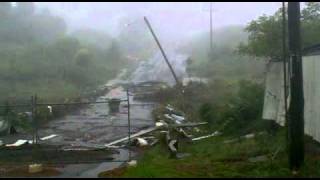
210,29
33,120
162,51
284,58
296,109
129,124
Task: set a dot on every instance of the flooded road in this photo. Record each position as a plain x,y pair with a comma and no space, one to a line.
93,126
92,170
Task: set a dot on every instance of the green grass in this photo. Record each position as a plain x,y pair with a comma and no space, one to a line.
213,158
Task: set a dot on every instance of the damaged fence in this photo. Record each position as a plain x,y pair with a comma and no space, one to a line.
274,97
44,134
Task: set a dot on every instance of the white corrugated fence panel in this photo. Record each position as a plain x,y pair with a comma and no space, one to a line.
274,102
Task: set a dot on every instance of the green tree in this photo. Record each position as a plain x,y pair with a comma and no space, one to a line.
83,58
265,33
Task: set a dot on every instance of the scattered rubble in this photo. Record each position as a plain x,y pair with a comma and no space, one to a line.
141,142
18,143
248,136
154,142
183,155
140,133
132,163
216,133
258,159
23,141
35,168
48,137
177,125
178,118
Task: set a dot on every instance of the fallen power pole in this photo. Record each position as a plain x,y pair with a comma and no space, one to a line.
162,51
296,108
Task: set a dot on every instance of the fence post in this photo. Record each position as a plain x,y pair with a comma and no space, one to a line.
32,118
35,117
129,124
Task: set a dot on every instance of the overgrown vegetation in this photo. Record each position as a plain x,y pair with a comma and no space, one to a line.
224,62
265,33
231,103
213,158
37,56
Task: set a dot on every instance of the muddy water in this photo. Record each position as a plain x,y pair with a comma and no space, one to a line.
94,126
92,170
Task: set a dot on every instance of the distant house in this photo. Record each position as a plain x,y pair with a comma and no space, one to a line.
274,92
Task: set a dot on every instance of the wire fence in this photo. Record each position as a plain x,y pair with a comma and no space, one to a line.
32,115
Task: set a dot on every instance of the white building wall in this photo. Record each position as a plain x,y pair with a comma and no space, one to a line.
274,102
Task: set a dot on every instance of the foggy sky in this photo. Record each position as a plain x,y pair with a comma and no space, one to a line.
174,19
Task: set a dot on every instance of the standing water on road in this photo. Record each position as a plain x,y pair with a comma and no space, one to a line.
93,126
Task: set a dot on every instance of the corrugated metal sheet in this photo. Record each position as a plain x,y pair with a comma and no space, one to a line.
311,87
273,108
274,102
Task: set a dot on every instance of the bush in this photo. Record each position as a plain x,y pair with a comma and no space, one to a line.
206,113
245,109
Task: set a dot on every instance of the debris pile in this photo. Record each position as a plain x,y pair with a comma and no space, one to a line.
35,168
174,127
24,141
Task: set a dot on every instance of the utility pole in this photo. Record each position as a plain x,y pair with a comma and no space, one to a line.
162,51
210,29
285,62
179,85
296,109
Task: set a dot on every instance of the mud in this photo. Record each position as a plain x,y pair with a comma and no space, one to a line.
92,126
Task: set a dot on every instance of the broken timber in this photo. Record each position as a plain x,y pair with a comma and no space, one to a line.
142,132
210,135
172,145
188,124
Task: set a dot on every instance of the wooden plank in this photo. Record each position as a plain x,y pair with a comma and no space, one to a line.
188,124
207,136
142,132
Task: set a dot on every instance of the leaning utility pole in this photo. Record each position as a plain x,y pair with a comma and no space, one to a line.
296,108
162,51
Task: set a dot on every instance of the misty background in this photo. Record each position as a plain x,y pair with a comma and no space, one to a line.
170,19
64,49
